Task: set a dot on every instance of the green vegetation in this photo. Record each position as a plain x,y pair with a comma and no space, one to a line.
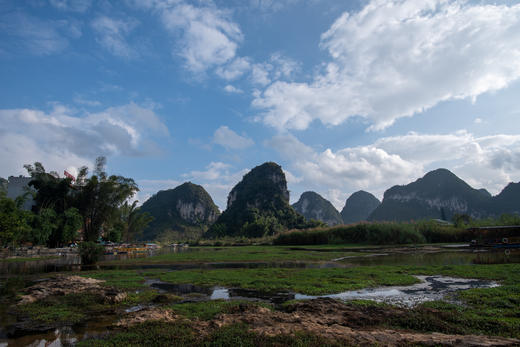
391,233
209,309
174,213
304,281
90,252
258,206
122,279
240,254
182,334
65,310
313,206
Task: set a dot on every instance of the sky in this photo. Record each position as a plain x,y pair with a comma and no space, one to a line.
344,95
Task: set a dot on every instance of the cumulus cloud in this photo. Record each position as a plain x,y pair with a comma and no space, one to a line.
397,58
228,139
208,37
111,34
231,89
489,161
234,69
62,138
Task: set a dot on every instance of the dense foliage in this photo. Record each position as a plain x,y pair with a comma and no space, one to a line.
169,223
96,205
258,206
313,206
425,231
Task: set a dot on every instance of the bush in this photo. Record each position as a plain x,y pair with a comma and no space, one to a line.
90,252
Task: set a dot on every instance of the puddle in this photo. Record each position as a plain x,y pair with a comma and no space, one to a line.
431,288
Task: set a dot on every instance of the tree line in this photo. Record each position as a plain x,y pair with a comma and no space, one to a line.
96,204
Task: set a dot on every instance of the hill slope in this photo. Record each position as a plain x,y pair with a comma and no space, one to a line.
439,194
186,210
508,201
313,206
359,206
258,205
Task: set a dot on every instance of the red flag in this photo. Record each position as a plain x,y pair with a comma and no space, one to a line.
67,174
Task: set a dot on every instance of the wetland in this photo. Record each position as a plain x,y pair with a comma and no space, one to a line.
272,295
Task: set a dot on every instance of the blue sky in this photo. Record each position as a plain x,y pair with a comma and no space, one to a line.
345,95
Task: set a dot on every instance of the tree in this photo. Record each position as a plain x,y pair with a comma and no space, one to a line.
14,222
99,198
134,221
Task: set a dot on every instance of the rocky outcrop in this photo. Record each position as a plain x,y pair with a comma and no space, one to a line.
358,207
258,205
313,206
186,207
63,285
439,194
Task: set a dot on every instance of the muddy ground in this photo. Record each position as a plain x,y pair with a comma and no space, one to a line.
328,318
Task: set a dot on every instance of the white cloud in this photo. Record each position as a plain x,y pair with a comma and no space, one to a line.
231,89
260,74
234,69
489,162
478,120
71,5
284,67
207,36
218,179
271,5
397,58
40,37
111,34
228,139
62,138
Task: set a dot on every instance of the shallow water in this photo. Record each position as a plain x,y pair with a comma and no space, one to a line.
444,257
429,289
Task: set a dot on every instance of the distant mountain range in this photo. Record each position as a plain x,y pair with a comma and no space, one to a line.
441,194
186,210
259,205
313,206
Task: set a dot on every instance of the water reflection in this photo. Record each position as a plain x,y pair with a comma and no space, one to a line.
420,258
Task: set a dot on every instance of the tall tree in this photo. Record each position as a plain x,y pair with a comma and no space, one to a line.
99,198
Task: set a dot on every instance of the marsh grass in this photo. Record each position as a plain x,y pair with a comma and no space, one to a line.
63,310
239,254
209,309
304,281
122,279
181,334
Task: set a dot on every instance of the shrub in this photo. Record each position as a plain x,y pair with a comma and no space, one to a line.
90,252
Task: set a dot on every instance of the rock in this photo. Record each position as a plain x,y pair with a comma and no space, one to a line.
63,285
